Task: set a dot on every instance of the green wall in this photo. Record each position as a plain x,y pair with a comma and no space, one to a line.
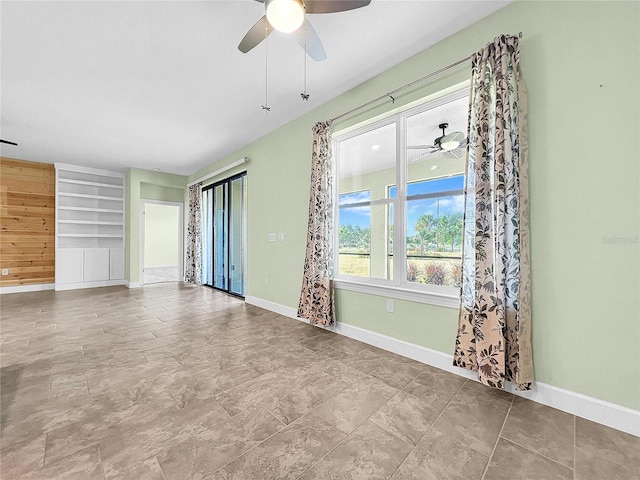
161,186
151,191
581,63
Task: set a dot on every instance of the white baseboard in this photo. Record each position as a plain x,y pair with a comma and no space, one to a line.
606,413
272,306
129,284
37,287
76,286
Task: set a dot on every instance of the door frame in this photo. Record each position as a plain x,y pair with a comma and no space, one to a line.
180,205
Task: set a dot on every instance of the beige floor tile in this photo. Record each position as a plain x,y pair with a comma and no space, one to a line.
541,429
299,401
348,409
442,456
605,453
204,452
21,458
477,387
439,380
529,465
274,384
288,453
369,452
410,413
476,420
397,373
84,465
131,449
198,385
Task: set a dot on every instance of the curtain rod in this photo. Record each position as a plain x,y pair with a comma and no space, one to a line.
410,84
218,172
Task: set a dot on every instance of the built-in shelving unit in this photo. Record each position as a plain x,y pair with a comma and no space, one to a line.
89,227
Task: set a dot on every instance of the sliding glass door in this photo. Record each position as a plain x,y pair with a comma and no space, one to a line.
224,234
236,235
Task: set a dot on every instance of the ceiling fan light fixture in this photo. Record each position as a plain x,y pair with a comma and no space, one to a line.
285,15
450,145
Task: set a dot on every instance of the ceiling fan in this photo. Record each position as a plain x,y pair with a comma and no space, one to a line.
451,145
289,15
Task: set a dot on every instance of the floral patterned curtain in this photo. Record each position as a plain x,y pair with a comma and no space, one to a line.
316,298
494,328
193,273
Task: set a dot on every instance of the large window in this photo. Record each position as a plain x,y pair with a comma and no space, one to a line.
400,200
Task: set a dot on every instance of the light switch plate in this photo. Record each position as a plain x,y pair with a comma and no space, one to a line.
5,271
272,237
390,305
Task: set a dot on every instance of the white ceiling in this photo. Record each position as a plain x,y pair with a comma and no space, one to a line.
162,85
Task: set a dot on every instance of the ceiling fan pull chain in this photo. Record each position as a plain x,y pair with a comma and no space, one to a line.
304,94
266,106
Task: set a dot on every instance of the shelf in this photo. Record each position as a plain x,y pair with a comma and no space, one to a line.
89,222
89,235
92,184
88,209
94,197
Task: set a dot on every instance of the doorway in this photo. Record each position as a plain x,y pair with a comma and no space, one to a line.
224,235
161,242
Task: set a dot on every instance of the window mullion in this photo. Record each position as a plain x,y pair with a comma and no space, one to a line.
335,167
399,227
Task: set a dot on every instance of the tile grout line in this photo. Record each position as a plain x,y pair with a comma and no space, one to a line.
495,445
535,453
101,462
258,444
155,457
575,435
404,390
44,454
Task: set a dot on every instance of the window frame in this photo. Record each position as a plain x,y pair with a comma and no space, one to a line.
398,287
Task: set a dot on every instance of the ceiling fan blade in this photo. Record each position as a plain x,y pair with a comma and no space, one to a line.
421,147
255,35
332,6
308,38
8,142
423,156
455,154
453,136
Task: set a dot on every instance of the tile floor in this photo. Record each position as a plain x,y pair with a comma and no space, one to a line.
177,382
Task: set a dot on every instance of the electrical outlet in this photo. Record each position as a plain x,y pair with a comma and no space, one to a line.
390,305
266,280
5,271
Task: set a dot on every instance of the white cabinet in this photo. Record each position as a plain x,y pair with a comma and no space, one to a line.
96,265
69,265
116,263
89,227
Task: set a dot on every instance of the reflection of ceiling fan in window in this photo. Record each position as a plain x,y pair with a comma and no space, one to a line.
449,145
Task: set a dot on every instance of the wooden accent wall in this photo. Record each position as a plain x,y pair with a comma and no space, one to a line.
27,217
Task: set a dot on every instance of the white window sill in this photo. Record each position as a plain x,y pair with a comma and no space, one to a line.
445,299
